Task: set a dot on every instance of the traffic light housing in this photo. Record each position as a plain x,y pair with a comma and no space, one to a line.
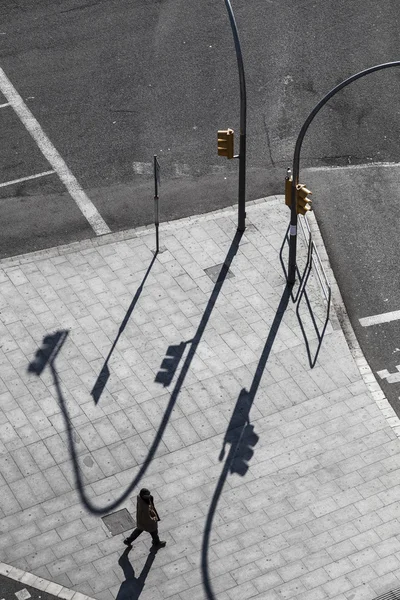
303,203
225,142
288,189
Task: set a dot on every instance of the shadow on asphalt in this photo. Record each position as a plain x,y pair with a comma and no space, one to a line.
52,344
241,437
132,587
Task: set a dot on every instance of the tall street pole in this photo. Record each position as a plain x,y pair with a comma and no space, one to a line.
243,115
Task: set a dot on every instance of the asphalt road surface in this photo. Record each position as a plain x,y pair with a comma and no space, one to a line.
14,590
110,83
91,90
358,210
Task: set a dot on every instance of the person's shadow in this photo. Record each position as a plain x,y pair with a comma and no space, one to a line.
132,587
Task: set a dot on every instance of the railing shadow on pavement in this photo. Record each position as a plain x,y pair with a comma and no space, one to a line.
301,275
320,331
47,354
104,375
242,439
133,586
313,259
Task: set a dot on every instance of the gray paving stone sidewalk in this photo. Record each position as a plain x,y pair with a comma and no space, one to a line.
273,480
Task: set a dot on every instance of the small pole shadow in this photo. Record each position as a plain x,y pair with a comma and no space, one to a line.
133,586
104,374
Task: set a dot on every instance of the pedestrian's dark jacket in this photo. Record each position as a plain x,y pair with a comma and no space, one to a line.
146,515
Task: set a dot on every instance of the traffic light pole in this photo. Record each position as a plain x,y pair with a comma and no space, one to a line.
243,115
296,160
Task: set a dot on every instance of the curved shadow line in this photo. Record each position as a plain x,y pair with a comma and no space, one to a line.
174,395
224,474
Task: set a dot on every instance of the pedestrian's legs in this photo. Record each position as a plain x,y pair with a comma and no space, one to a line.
135,533
156,539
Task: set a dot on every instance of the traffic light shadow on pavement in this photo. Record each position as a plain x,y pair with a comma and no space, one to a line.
240,436
170,363
241,439
48,352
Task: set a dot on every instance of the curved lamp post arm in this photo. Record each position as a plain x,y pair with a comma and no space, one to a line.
296,158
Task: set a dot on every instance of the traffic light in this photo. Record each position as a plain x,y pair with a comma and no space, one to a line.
288,188
225,142
303,203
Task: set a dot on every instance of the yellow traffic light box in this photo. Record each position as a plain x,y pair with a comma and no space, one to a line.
303,203
225,142
288,189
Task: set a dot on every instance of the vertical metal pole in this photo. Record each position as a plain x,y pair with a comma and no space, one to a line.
293,234
156,216
243,115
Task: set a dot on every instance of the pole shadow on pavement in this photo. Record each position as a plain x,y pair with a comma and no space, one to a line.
104,375
133,586
241,437
51,347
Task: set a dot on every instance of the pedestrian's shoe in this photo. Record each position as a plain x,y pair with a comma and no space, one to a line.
160,544
127,542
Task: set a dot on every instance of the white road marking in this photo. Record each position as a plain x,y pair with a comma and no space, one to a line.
5,104
26,178
86,206
355,167
23,594
142,168
390,377
383,318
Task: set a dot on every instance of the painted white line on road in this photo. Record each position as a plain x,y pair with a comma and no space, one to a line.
5,183
5,104
86,206
383,318
355,167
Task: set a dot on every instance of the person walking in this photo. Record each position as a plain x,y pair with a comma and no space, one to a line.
146,519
